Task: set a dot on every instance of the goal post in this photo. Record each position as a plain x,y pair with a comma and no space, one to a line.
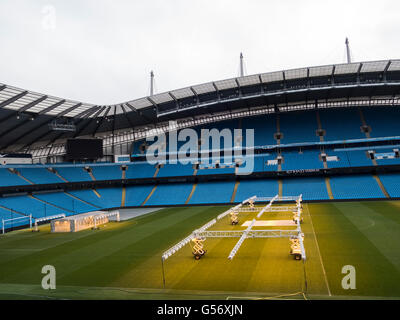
15,222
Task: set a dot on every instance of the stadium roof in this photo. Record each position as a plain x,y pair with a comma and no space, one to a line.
25,115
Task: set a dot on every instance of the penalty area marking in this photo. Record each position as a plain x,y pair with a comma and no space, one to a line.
319,252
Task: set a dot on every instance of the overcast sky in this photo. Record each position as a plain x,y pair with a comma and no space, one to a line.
101,51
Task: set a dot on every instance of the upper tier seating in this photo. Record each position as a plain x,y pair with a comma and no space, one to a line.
74,174
112,172
384,121
341,124
10,179
170,170
140,170
388,157
342,159
298,127
39,175
306,160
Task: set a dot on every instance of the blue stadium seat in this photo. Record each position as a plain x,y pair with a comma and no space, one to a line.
355,187
170,194
170,170
111,172
110,197
391,182
358,158
212,192
10,179
27,205
306,160
299,127
140,170
264,129
73,174
313,188
384,121
341,124
39,175
135,195
260,188
62,200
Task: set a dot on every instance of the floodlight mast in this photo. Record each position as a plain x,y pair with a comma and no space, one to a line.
151,83
348,50
241,65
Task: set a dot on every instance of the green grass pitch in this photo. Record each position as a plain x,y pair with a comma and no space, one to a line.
123,260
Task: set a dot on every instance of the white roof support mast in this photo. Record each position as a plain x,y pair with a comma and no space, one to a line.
151,83
241,72
348,50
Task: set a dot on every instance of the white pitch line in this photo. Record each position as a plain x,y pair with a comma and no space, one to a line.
319,253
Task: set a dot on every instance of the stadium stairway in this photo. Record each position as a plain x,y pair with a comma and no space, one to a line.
278,130
328,188
22,177
191,193
157,171
96,193
364,123
90,172
60,176
321,138
170,194
149,196
123,196
234,191
378,180
391,182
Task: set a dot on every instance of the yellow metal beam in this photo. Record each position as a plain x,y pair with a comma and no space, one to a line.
191,193
149,196
328,188
234,191
378,180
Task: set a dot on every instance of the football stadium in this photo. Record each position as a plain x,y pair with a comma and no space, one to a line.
307,192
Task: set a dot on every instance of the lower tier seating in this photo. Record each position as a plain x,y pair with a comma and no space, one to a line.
355,187
360,186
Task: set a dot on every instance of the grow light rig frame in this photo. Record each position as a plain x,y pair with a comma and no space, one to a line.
296,236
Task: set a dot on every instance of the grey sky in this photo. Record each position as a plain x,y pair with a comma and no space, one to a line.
102,51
